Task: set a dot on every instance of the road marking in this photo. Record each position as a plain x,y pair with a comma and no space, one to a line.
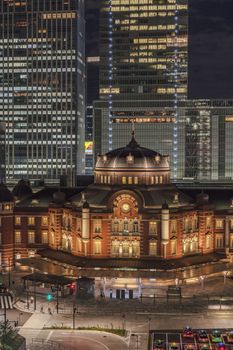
95,341
49,335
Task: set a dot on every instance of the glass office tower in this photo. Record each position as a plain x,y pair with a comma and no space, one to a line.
42,83
2,152
143,76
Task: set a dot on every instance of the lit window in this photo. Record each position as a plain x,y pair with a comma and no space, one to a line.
123,180
31,220
208,241
130,180
153,248
31,237
17,237
173,246
17,220
135,180
219,241
173,226
208,222
97,224
219,223
44,220
153,228
79,245
97,246
45,239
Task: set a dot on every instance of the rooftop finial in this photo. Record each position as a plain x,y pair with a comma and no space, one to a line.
133,143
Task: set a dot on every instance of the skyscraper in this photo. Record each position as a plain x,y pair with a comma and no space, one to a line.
143,76
42,87
2,151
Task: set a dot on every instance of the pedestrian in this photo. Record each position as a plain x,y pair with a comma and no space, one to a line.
42,309
49,311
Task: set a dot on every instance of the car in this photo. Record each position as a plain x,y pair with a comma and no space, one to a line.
215,337
221,346
202,336
159,345
187,332
189,347
229,337
174,346
203,346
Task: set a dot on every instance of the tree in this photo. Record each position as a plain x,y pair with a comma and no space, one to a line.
7,335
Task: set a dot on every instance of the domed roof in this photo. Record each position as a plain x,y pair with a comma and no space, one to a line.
22,189
5,194
132,156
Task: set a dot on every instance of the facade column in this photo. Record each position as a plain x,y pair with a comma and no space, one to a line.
85,226
227,235
165,228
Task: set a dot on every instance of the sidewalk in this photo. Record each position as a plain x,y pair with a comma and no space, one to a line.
32,328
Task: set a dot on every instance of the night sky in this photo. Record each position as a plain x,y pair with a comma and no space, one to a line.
211,49
210,46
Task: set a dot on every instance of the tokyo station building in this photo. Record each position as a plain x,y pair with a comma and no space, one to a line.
131,212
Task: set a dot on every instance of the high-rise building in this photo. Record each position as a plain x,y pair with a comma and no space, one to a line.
209,144
143,76
2,152
42,88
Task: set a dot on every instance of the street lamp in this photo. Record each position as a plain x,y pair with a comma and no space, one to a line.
149,319
202,279
9,272
224,277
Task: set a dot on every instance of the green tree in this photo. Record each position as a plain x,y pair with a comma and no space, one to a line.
7,335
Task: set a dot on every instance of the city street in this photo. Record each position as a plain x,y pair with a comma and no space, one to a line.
206,339
83,340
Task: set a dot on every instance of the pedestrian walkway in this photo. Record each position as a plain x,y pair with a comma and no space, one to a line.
32,328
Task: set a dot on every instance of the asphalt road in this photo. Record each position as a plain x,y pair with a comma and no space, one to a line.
83,340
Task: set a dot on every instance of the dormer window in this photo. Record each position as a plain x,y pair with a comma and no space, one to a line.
176,198
130,159
105,158
157,159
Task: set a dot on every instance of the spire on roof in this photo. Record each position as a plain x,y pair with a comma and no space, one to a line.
133,143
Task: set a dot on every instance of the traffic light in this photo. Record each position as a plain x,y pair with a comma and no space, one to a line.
49,297
72,288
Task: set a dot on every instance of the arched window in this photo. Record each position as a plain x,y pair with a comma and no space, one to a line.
63,241
136,249
79,244
126,226
115,226
135,226
115,245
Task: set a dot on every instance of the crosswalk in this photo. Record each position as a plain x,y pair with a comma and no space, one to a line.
6,301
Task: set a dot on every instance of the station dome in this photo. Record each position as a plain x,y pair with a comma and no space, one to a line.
5,194
132,165
22,189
